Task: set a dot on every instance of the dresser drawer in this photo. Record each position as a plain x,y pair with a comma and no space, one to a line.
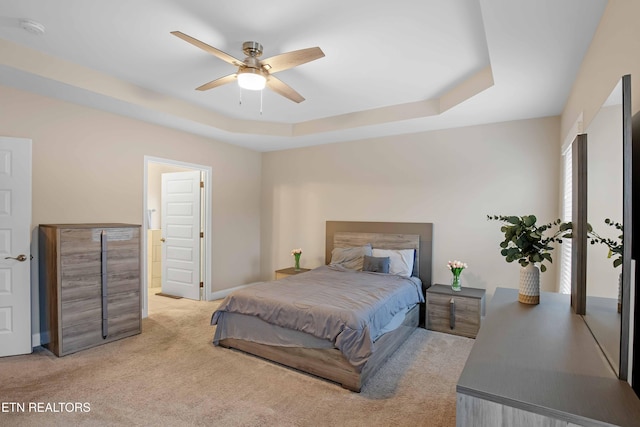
123,281
123,303
80,336
83,310
82,321
454,313
124,326
90,286
90,263
80,288
89,334
77,312
88,240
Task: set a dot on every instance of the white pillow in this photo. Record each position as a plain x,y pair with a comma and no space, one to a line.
401,260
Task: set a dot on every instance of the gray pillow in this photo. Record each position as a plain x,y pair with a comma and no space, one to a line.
351,258
376,264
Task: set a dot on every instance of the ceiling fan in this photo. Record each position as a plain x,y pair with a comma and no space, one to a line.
253,73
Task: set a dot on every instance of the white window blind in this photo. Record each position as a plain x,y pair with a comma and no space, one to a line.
567,196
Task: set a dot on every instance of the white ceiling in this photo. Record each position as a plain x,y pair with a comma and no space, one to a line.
390,67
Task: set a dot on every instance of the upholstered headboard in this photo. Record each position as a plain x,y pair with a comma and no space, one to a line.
385,235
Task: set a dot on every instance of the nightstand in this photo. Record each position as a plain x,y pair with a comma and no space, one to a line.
457,313
286,272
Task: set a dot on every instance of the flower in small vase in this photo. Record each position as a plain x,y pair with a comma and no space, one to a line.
296,254
456,268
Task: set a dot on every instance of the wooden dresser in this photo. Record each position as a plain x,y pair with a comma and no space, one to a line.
457,313
539,365
90,280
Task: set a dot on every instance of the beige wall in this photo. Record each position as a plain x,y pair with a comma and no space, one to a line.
613,53
453,178
604,197
88,166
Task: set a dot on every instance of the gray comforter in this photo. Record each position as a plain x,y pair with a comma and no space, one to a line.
343,306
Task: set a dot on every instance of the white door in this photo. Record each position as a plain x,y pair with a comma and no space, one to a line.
15,254
180,223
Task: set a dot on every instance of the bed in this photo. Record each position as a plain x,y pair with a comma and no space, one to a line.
334,322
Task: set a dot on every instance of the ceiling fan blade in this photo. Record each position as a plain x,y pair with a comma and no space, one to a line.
281,88
212,50
219,82
292,59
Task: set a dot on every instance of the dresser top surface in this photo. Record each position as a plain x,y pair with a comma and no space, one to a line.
543,359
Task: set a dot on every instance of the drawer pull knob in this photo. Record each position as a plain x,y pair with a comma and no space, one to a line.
452,313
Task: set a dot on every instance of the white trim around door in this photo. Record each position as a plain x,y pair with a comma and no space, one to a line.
207,217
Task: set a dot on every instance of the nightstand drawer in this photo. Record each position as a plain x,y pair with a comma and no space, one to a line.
454,312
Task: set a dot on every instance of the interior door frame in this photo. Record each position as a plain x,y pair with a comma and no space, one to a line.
206,205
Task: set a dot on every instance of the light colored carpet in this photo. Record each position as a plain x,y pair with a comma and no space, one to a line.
172,375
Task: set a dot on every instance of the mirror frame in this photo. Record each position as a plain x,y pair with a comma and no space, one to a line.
627,223
579,220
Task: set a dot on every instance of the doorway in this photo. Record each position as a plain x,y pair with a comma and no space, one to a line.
153,253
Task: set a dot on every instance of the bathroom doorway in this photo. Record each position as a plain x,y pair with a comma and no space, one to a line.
154,237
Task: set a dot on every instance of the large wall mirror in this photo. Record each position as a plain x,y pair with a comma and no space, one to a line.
608,254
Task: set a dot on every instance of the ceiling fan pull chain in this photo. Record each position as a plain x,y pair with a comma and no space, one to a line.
240,97
260,102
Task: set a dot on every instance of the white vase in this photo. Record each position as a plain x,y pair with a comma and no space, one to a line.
529,285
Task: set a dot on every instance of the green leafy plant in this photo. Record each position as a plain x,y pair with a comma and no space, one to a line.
525,242
615,246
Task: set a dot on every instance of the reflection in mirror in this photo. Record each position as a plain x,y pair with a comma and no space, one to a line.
604,211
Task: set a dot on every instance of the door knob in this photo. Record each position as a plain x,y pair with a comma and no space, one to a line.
162,240
20,257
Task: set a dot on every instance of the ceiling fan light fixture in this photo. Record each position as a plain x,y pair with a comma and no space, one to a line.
254,74
251,79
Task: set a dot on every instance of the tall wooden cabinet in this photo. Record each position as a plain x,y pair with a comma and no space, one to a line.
90,282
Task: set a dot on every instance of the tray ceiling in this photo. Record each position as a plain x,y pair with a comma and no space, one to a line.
390,67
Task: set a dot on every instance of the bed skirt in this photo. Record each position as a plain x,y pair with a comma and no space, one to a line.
330,363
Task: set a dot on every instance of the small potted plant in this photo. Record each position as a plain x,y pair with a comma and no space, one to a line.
456,268
526,243
296,255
